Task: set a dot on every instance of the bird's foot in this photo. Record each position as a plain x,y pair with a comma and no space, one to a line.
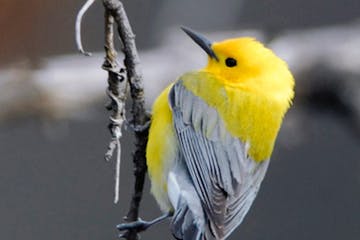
140,225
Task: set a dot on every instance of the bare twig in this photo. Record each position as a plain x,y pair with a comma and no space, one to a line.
140,119
117,93
114,11
79,16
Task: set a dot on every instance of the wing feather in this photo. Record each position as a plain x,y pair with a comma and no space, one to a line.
225,178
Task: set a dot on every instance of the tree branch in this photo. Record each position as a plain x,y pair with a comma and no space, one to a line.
117,89
140,121
115,12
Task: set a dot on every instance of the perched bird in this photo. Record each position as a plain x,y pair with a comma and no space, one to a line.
212,135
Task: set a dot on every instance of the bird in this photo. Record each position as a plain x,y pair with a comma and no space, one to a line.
212,134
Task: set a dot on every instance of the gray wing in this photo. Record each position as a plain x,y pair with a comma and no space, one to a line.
188,221
224,177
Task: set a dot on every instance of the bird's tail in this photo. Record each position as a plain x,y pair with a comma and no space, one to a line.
188,222
184,226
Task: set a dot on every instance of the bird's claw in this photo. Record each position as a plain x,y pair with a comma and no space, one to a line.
126,235
138,226
123,235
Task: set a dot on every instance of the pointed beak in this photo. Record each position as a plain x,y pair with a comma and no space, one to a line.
203,42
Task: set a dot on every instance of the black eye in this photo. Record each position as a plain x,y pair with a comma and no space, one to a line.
230,62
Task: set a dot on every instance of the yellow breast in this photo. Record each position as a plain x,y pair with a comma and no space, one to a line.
161,148
253,117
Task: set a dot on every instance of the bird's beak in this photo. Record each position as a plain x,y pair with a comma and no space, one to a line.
203,42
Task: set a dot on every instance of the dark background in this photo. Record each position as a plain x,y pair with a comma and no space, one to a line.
56,186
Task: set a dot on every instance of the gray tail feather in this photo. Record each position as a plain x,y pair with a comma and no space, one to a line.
188,222
183,225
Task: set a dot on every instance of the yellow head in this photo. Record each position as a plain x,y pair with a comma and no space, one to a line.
258,87
246,64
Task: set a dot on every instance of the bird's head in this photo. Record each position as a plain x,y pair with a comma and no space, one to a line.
246,64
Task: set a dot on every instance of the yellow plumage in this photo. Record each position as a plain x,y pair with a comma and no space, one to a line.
161,148
251,99
256,94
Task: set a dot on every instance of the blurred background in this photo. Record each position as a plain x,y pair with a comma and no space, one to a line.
54,183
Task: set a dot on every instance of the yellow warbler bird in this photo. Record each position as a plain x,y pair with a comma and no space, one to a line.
212,135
